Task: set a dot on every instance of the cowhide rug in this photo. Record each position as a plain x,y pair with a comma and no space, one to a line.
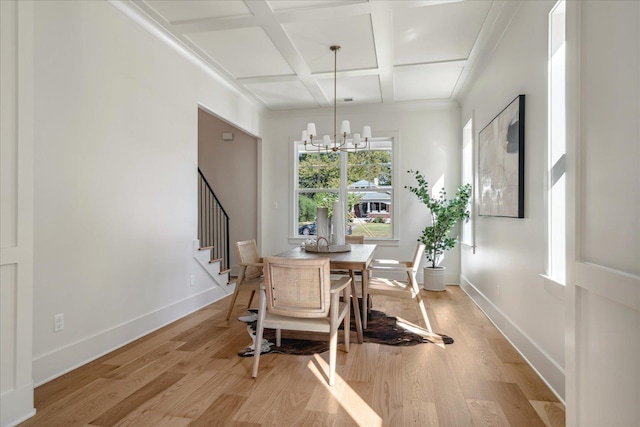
381,329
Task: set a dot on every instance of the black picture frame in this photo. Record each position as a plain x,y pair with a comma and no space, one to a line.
501,163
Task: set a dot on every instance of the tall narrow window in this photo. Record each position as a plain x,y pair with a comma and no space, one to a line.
364,179
467,178
557,145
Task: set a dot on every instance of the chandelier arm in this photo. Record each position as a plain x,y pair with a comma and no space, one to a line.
343,145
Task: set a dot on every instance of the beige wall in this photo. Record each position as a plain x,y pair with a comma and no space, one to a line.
231,168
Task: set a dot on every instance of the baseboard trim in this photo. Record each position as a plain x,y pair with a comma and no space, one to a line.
16,405
548,370
58,362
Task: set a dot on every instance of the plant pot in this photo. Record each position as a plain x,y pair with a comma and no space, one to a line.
434,278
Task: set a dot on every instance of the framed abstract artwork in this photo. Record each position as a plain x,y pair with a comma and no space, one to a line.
501,163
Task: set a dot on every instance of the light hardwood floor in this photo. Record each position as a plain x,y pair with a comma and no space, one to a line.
188,374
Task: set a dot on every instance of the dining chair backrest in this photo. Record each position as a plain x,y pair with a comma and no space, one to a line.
298,287
247,251
356,240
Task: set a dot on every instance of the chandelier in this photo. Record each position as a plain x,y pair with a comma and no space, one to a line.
357,141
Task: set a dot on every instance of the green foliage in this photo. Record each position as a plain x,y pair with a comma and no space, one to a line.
369,165
322,170
445,214
319,170
306,208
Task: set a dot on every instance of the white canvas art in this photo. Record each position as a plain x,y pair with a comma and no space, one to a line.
501,163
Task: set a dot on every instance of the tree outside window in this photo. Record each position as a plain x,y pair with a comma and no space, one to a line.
364,179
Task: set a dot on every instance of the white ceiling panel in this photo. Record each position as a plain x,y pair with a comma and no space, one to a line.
283,95
244,52
363,89
353,33
183,10
279,5
277,51
434,81
443,32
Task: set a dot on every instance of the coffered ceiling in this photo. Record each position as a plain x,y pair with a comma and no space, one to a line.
278,51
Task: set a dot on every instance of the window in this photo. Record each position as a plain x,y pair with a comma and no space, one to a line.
364,179
556,177
467,178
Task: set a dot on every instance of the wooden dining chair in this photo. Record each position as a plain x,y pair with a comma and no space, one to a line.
397,288
251,274
298,295
351,239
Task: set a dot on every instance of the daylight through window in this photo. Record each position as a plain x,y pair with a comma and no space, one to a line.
557,145
363,179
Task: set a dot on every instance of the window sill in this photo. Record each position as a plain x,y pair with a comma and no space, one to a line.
553,287
468,245
379,242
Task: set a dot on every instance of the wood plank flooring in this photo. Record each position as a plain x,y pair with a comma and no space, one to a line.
188,374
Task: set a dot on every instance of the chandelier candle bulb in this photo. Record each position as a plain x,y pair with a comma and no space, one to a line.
366,132
311,130
345,128
339,224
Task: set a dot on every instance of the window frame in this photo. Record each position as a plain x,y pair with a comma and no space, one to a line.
392,136
555,268
469,240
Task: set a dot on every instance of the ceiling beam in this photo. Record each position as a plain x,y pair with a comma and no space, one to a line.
382,24
283,43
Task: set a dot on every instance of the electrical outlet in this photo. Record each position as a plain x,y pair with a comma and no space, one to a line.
192,281
58,322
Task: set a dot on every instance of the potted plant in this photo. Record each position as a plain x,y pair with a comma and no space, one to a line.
445,214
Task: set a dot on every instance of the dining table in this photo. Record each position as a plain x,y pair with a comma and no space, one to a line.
358,258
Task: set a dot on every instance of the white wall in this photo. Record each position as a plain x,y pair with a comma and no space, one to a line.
603,304
16,212
503,276
231,168
115,180
430,141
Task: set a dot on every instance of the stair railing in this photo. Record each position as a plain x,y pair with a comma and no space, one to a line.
213,223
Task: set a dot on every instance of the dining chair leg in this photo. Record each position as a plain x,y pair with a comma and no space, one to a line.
333,344
257,347
365,309
347,321
236,291
356,309
233,300
423,311
253,292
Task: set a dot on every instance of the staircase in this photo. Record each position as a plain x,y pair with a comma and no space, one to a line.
213,233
